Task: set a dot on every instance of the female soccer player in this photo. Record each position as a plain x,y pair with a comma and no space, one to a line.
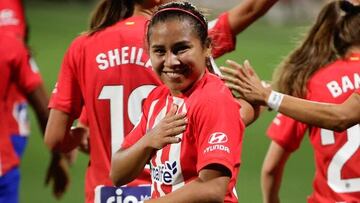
336,117
108,71
12,22
16,69
194,151
337,177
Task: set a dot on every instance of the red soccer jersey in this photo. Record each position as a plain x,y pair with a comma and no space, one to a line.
211,137
223,40
16,115
15,69
337,154
109,72
12,18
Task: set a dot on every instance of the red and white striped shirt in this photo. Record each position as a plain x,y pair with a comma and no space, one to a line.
213,135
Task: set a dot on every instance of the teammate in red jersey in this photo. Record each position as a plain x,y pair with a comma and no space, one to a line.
109,71
16,69
337,178
12,22
191,147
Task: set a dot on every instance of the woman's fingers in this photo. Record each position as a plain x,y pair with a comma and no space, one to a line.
228,71
172,140
172,110
229,79
175,131
233,64
250,70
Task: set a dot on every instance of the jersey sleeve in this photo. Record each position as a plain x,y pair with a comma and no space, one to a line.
25,73
12,18
67,96
357,91
218,133
83,117
286,132
223,40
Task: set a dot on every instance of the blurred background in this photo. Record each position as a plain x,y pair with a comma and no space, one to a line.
53,25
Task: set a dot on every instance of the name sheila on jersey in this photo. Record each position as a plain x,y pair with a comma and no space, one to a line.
121,56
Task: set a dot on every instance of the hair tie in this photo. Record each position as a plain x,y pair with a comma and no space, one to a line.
182,10
349,8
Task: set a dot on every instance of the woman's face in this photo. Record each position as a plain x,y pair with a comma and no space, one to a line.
177,55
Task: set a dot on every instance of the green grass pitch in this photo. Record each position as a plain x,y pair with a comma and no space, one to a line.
53,26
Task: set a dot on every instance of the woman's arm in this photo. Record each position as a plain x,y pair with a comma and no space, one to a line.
58,136
246,83
128,163
210,186
337,117
248,11
272,171
249,113
57,173
39,100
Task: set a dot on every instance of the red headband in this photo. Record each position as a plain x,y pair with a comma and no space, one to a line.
182,10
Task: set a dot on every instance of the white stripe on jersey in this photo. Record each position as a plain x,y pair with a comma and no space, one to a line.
175,149
151,111
234,192
215,67
97,191
158,118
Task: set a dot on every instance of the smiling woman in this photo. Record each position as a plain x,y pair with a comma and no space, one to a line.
190,147
175,54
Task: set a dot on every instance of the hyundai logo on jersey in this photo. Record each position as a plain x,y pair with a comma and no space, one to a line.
125,194
164,173
218,138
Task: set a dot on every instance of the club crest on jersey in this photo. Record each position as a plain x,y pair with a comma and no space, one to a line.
7,17
218,138
164,173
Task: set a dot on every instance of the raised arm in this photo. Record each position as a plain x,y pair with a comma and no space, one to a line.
248,11
338,117
272,171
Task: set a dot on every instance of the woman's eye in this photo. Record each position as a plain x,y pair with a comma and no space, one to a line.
159,51
181,49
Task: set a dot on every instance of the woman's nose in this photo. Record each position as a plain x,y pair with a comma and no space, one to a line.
171,60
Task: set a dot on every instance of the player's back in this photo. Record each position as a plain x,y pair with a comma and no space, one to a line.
114,74
336,153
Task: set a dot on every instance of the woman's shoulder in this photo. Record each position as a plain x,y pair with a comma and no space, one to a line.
213,91
158,92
